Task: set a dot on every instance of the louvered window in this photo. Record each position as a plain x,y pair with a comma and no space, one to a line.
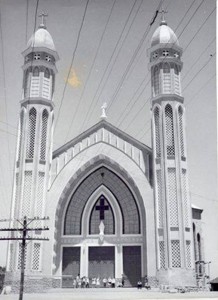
169,131
44,134
31,133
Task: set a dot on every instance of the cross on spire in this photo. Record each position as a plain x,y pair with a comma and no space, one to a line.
163,12
43,16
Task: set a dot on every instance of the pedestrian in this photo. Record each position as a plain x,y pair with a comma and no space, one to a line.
122,281
87,282
104,281
98,283
77,280
113,281
109,281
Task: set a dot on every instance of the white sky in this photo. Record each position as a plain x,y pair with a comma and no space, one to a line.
130,109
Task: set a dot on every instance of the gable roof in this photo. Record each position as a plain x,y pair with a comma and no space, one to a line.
108,126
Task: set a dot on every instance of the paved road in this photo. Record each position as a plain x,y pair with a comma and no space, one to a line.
110,294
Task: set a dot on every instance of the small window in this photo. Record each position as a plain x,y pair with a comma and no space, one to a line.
36,72
36,56
47,73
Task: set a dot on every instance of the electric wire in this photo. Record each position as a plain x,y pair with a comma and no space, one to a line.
171,48
72,61
5,90
114,96
117,55
90,70
93,101
27,17
202,25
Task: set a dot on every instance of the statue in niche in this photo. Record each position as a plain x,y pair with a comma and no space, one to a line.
101,230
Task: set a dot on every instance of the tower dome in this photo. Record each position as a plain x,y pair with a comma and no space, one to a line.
164,35
41,39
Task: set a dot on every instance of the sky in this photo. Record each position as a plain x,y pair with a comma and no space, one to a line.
109,63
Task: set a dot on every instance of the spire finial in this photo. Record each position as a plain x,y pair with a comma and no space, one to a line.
43,16
103,111
163,12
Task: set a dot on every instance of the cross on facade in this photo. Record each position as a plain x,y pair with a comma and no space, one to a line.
102,207
43,16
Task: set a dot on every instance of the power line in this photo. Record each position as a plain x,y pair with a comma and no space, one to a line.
164,57
117,55
72,61
120,123
192,17
134,55
89,112
27,17
132,60
90,71
202,25
198,58
194,77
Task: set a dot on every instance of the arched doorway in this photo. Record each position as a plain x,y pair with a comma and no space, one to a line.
102,229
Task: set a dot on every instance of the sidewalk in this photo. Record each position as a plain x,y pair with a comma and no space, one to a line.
110,294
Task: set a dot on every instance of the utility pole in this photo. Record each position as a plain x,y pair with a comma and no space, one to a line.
25,222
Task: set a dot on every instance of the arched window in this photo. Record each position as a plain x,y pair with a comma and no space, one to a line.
36,72
31,133
181,131
20,134
101,214
166,79
26,82
169,130
44,134
157,132
156,81
176,80
47,73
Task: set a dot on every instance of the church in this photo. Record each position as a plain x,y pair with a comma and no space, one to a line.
116,207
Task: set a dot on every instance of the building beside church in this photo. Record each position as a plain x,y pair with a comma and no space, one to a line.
116,206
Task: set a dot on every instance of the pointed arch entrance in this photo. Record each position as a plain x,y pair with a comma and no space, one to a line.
124,238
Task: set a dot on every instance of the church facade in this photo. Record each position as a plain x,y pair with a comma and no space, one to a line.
116,207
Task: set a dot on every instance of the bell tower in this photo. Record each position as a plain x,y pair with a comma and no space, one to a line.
175,262
34,144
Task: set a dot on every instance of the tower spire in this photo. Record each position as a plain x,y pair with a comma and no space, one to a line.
43,23
163,12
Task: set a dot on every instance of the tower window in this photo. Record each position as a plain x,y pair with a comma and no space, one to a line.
36,72
181,132
177,80
21,133
157,132
166,79
155,55
169,131
48,58
31,133
156,81
44,134
47,73
36,56
165,53
176,54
